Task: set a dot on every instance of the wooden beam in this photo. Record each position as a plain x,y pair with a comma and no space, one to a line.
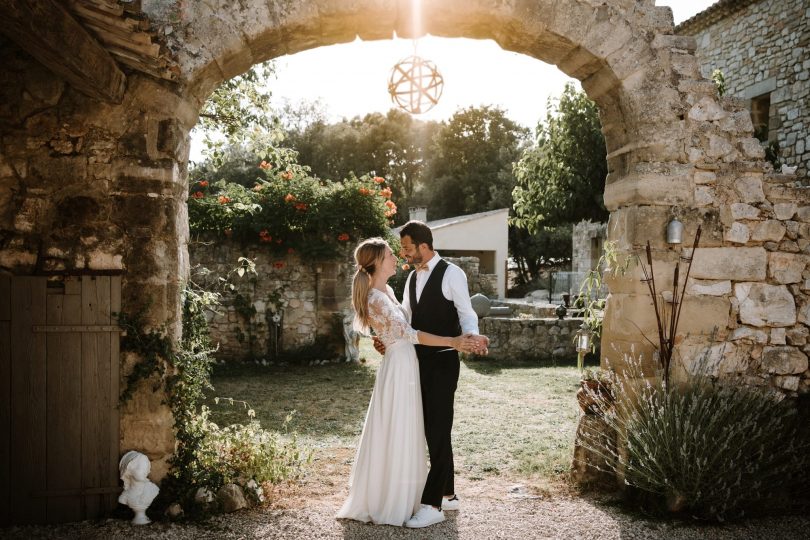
46,31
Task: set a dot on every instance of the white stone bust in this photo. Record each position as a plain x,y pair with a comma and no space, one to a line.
139,491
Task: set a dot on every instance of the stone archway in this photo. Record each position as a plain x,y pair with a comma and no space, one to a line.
671,142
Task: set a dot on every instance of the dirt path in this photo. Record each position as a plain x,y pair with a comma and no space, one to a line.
492,509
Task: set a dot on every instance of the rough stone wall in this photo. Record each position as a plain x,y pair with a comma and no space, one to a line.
91,187
311,298
582,238
307,296
477,282
765,47
517,338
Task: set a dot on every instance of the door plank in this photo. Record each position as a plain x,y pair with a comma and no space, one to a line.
106,402
5,398
28,418
92,399
5,420
5,298
115,428
64,357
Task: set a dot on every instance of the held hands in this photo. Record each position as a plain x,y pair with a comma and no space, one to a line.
378,345
472,343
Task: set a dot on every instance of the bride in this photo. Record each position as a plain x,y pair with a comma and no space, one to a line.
390,466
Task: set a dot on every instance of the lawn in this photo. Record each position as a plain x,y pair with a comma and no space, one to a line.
515,420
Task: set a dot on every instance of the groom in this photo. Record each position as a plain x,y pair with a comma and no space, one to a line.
438,301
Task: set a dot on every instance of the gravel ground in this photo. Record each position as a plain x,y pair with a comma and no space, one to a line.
490,510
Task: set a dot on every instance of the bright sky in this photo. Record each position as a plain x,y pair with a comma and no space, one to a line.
351,79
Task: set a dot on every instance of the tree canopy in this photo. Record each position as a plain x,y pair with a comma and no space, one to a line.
561,179
470,162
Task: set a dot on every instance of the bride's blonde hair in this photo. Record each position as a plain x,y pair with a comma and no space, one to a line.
368,255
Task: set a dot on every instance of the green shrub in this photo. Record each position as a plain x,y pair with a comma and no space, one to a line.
239,453
705,448
289,211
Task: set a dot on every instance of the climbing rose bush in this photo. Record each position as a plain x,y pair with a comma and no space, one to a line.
290,211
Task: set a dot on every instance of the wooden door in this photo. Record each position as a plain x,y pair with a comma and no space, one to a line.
58,398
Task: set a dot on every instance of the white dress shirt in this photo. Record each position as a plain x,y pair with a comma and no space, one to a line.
454,288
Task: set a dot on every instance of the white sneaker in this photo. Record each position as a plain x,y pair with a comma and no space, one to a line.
426,516
450,504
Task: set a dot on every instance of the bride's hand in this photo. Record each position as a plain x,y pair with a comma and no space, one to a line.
464,343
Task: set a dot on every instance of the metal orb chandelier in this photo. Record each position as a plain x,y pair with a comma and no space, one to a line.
415,85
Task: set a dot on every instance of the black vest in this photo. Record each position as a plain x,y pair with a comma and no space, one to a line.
433,313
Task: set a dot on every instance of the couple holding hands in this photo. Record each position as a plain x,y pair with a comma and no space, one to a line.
412,401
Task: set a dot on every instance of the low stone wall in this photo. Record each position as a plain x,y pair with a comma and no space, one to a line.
524,338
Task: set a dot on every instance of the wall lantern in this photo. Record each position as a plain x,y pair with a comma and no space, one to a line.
674,232
582,341
584,334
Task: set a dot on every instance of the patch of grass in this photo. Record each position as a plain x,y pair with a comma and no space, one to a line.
512,419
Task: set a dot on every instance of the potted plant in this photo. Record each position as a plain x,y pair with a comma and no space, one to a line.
596,390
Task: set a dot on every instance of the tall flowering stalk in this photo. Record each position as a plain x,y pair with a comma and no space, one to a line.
667,318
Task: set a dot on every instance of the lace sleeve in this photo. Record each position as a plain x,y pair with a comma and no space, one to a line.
388,321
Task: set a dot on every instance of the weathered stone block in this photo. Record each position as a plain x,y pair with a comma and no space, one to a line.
706,109
749,187
765,305
783,360
749,334
784,211
736,264
768,231
708,288
777,336
786,267
787,382
744,211
738,233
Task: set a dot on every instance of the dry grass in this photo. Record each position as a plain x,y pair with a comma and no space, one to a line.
513,420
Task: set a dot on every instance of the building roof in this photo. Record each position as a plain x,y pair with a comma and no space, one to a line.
712,14
446,222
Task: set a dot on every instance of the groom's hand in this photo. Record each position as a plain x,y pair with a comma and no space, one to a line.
378,345
481,347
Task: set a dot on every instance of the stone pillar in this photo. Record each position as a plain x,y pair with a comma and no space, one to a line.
96,187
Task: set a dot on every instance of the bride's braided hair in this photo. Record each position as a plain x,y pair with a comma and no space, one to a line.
368,255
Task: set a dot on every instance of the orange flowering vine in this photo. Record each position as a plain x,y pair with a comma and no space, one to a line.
258,187
265,166
385,192
378,179
278,264
223,199
198,194
287,175
301,206
364,191
390,204
264,236
289,197
343,237
203,183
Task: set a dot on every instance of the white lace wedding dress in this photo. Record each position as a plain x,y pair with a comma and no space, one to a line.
390,466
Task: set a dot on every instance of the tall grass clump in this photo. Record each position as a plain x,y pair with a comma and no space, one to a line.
703,448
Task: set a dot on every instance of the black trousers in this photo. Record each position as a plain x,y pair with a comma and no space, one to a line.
438,374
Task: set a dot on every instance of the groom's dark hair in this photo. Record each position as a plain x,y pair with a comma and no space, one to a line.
419,233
